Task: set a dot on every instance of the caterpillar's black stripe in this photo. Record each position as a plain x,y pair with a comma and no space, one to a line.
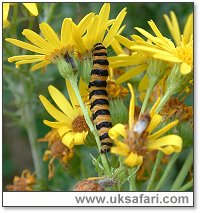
98,96
104,136
98,92
98,48
100,112
100,102
101,62
106,143
100,54
97,83
99,72
104,124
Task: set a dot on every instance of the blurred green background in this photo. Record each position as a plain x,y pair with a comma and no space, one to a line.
16,149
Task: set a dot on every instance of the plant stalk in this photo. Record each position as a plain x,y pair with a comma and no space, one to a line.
28,117
183,172
153,174
187,186
167,171
148,93
91,126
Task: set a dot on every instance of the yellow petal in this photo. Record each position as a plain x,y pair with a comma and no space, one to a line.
5,11
61,102
68,139
83,88
163,130
37,40
154,107
40,65
124,60
104,13
6,23
137,38
145,33
66,27
50,35
117,47
83,24
155,29
155,52
114,28
55,124
167,144
25,57
18,63
81,48
80,138
118,151
92,33
32,8
116,131
72,95
188,29
131,106
64,129
176,29
170,26
121,29
185,68
144,83
164,57
124,41
155,121
27,46
103,21
131,73
59,116
133,160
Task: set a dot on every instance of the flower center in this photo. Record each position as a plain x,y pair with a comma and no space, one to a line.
79,124
57,53
137,144
185,52
137,136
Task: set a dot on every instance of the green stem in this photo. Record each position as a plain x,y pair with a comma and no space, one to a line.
183,172
186,186
91,126
167,171
29,123
131,179
148,93
164,99
153,174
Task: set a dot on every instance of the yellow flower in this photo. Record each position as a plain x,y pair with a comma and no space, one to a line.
138,137
134,61
162,48
50,47
31,7
70,121
97,29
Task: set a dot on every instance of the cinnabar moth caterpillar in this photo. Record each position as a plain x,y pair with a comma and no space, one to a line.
99,97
